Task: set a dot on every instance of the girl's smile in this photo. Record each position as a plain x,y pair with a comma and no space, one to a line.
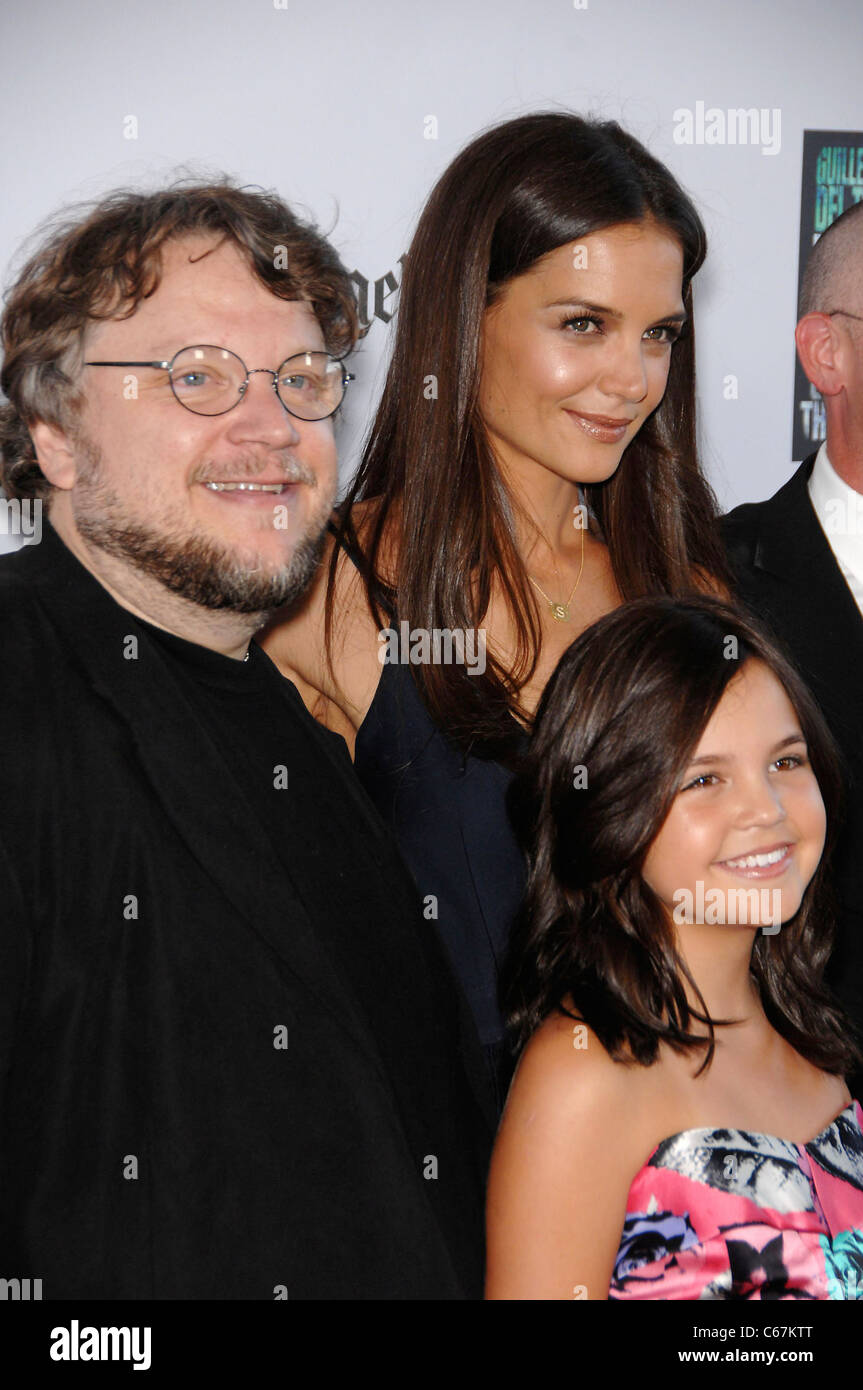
749,809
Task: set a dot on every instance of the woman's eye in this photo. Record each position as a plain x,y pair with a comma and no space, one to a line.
669,333
588,325
577,324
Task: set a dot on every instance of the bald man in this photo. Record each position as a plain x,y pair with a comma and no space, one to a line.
798,558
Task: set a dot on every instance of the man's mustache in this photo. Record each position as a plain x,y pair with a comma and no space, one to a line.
291,470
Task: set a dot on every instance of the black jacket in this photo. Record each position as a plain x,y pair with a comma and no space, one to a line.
154,1141
786,572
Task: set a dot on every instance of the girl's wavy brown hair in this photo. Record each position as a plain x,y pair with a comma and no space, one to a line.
629,702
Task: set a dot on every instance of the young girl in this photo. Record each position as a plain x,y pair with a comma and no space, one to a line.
679,1126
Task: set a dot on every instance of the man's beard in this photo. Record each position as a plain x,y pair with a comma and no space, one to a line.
195,567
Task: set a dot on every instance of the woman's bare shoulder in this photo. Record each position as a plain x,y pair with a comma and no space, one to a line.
364,517
338,685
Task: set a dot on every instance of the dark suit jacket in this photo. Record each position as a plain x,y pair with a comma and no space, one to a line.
153,1140
786,572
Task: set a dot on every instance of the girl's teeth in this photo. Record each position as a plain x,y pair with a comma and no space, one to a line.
757,861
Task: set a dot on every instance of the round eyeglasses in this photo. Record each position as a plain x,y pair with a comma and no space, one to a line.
211,380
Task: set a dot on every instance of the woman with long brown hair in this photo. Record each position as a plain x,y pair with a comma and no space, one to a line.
532,464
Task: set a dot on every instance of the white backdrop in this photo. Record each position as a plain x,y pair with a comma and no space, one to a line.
329,102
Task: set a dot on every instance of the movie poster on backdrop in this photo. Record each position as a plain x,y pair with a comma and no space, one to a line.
832,181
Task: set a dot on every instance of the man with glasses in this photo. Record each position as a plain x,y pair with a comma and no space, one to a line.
798,558
233,1063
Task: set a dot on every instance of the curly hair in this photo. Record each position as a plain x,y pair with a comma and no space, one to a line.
630,700
99,261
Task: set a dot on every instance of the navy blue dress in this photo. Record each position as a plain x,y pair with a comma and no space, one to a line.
448,813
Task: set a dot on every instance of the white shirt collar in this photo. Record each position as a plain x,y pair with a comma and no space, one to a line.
839,509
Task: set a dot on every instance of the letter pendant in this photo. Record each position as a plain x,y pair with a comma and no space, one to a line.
560,611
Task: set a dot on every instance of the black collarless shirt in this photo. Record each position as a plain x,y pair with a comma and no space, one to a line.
268,892
328,851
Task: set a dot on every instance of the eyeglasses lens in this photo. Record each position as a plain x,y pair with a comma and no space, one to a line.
207,380
211,380
311,385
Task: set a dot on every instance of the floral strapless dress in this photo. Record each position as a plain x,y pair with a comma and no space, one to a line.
730,1214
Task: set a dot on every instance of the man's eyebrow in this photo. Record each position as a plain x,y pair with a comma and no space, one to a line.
677,317
720,759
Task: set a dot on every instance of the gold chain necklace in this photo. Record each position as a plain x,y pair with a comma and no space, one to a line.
560,611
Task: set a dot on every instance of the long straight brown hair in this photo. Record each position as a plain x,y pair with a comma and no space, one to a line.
514,194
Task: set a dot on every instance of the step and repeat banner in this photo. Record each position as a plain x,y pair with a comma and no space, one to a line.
351,111
832,181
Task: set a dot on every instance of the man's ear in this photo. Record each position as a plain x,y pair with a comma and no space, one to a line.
819,348
55,454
